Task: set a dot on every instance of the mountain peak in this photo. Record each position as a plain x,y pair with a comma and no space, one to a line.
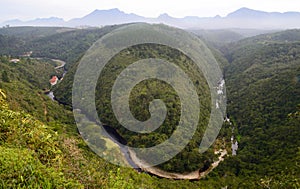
112,11
244,9
164,15
105,17
242,18
246,12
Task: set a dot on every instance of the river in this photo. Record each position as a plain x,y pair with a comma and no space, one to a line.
62,63
142,166
116,138
51,95
137,163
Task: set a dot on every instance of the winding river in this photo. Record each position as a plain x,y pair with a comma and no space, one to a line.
116,138
139,164
135,162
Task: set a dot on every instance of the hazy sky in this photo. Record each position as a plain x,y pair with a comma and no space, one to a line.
67,9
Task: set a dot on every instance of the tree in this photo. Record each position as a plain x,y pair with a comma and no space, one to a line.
5,76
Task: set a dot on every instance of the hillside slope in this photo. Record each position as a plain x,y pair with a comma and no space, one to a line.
263,90
263,85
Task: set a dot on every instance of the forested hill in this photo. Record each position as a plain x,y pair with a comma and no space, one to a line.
13,40
28,33
40,146
66,44
25,83
263,85
39,143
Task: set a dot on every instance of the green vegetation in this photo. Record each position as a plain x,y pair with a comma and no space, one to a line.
28,33
218,38
44,41
35,155
5,76
40,146
147,91
10,45
263,90
29,153
39,152
25,90
262,80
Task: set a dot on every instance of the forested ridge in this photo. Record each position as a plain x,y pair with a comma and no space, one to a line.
40,150
66,44
263,88
145,92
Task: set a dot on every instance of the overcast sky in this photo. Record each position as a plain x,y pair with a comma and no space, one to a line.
67,9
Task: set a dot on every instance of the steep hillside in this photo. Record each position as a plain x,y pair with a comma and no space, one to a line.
40,146
25,82
262,80
263,85
42,149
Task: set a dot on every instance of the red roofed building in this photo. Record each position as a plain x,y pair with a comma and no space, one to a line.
53,80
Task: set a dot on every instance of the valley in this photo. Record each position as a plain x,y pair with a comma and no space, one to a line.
41,146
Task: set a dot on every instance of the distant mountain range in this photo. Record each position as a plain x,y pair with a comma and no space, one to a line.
241,18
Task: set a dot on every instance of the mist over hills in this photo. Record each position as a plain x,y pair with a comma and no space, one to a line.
241,18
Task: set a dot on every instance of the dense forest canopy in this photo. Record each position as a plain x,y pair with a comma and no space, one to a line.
40,145
147,91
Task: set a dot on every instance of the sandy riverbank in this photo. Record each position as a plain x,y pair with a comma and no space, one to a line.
191,176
